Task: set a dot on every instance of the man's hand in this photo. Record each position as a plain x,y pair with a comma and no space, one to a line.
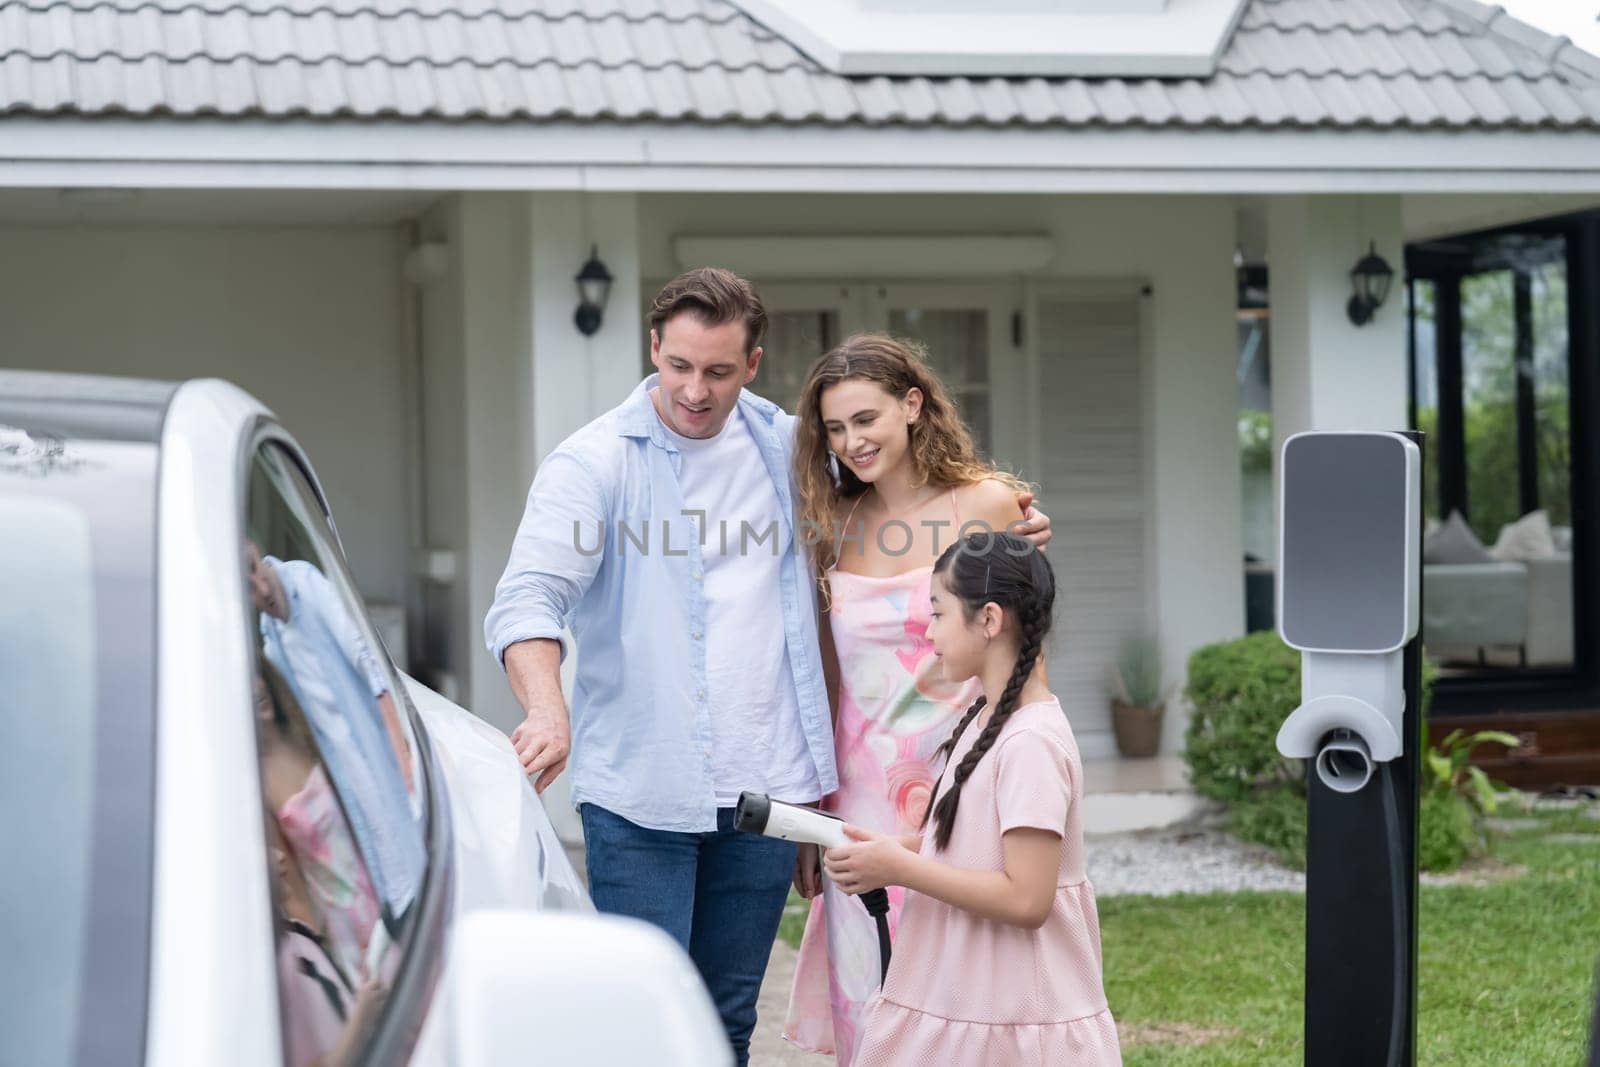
870,861
397,737
1035,524
543,738
808,870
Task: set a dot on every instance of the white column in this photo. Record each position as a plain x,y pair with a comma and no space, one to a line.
577,378
1328,373
1195,536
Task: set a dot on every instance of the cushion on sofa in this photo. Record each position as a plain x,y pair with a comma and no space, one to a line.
1454,542
1527,538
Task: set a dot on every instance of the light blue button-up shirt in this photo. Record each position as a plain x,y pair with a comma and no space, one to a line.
606,548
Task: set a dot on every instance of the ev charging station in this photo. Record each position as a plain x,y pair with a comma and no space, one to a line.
1350,600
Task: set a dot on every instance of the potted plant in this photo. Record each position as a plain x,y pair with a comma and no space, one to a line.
1138,702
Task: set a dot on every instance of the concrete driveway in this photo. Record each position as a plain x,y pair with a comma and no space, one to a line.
767,1047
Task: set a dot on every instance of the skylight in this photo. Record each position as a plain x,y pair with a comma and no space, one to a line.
1007,38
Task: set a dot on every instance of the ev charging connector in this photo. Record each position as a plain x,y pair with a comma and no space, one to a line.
1350,599
757,813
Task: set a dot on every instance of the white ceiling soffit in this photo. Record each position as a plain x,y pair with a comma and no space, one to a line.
870,256
1006,38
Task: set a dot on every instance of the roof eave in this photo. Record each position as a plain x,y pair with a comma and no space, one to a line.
653,157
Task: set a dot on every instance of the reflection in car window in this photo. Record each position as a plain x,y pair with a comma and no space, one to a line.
340,779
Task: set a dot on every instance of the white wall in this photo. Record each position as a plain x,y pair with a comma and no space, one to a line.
307,319
448,638
1181,246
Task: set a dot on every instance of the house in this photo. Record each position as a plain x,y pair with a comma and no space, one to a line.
371,212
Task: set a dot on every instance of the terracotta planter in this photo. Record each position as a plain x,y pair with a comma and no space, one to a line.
1138,729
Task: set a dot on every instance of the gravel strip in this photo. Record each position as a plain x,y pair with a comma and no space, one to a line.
1193,859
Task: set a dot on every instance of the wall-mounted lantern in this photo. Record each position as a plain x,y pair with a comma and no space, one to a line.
594,288
1370,278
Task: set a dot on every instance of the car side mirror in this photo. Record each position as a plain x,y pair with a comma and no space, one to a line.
570,987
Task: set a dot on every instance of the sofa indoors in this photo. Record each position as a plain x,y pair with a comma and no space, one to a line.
1506,605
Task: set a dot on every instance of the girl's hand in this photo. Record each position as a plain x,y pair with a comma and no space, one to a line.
808,871
871,861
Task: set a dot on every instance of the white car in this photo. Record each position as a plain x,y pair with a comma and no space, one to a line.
234,832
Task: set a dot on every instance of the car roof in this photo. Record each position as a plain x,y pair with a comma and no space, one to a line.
85,405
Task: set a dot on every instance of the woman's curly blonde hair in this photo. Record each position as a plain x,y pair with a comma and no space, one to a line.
941,447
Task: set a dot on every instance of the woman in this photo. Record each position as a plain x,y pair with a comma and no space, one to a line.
883,459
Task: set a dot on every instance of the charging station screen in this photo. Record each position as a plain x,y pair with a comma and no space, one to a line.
1344,543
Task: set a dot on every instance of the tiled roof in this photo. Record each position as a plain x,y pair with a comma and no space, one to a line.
1290,64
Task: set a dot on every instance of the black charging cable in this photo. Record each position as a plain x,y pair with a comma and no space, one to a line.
877,902
1397,897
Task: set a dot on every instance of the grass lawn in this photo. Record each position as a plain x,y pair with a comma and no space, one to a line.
1505,974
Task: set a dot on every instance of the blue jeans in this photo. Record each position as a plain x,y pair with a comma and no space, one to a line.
719,894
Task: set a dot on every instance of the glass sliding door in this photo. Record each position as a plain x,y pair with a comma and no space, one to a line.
1491,385
1489,372
1424,340
1552,390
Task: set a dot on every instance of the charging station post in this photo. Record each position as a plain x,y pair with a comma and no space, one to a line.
1350,599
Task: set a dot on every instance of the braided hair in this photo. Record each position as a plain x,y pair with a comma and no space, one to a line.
1005,570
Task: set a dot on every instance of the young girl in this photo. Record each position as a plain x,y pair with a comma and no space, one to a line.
997,960
882,458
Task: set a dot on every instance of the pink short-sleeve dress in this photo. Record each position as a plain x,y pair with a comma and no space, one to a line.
968,990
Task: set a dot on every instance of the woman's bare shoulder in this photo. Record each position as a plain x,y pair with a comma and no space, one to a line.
991,501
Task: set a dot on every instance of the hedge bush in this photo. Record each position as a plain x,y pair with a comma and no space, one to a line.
1241,691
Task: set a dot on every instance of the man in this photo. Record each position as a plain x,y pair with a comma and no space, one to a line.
311,638
663,532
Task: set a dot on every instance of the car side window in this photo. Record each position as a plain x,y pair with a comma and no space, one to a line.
342,788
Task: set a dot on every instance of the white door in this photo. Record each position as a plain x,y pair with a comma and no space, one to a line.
1087,388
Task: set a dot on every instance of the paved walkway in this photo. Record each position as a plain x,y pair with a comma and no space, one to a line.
767,1047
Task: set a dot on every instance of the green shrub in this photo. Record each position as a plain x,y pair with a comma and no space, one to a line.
1277,820
1240,692
1456,798
1447,833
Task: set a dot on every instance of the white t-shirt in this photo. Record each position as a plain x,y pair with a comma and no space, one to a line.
757,740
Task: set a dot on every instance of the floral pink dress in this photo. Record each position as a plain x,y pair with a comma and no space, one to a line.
315,827
895,709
